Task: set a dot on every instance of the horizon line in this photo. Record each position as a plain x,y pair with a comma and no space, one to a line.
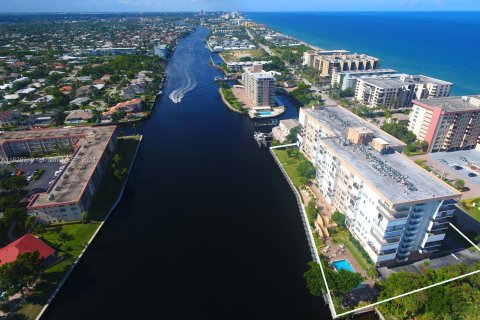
240,11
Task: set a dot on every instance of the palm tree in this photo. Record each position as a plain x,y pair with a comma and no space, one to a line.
65,237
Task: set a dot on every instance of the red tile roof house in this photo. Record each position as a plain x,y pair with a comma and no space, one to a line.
28,243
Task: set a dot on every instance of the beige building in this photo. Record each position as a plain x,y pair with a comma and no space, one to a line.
72,191
259,86
396,210
328,64
448,123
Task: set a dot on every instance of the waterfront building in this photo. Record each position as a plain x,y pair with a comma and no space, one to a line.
398,90
111,51
448,123
281,131
241,65
348,79
396,210
26,244
259,85
160,50
328,62
72,191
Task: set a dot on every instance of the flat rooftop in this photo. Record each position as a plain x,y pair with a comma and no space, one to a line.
339,120
387,83
453,104
370,71
399,179
69,186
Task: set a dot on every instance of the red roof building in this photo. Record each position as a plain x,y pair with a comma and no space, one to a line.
28,243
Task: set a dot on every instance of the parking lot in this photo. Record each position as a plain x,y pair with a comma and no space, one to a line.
453,166
50,166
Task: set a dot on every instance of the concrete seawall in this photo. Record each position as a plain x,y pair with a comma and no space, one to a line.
72,267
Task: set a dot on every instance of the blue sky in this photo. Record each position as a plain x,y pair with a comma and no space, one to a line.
241,5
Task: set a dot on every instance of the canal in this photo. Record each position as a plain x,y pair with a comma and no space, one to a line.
208,228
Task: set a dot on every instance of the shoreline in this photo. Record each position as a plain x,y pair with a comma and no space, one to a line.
225,102
77,260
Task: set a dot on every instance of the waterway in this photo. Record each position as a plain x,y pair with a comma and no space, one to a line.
208,227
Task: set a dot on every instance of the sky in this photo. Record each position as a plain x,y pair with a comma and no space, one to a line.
238,5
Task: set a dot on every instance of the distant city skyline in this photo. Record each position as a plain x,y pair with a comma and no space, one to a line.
229,5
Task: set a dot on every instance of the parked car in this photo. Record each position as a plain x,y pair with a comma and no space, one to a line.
471,174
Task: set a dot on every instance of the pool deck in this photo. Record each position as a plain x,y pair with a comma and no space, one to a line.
336,251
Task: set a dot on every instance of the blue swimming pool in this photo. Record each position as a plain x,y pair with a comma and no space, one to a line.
343,265
264,112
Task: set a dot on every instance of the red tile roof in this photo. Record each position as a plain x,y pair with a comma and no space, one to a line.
28,243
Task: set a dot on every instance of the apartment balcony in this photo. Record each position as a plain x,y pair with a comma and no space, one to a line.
392,214
384,241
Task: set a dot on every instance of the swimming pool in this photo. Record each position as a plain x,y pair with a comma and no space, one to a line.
343,265
264,113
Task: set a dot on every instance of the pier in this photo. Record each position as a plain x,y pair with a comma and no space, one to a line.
262,138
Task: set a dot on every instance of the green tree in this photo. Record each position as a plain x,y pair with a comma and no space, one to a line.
15,183
14,215
314,279
292,135
65,238
339,218
86,217
7,201
459,184
343,281
306,170
20,273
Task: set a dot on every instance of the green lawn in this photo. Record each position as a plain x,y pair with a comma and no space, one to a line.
342,237
467,206
290,165
104,199
52,276
111,186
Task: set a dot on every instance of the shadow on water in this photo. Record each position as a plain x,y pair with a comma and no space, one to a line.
208,227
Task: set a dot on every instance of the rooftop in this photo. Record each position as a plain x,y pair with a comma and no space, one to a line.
27,243
338,120
392,174
90,145
452,104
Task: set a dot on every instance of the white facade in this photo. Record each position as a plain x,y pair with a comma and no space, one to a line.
393,223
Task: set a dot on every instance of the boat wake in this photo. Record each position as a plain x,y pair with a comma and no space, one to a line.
187,81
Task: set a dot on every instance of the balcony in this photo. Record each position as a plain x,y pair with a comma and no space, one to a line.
392,214
382,240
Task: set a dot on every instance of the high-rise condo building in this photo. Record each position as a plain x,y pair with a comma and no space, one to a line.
396,210
449,123
259,85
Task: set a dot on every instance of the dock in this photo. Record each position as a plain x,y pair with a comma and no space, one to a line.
262,138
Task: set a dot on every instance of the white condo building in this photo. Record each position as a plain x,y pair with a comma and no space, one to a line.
398,90
397,211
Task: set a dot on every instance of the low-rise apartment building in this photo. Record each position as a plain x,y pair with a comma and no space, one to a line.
72,191
395,209
259,85
446,124
398,90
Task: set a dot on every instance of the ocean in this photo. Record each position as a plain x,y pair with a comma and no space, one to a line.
444,45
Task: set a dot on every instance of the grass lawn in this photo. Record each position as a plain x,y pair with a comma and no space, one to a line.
470,209
290,165
104,199
111,186
343,238
234,56
81,234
